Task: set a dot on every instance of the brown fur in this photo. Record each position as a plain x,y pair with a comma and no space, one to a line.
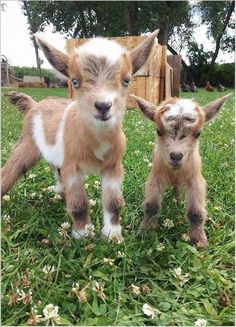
89,144
187,176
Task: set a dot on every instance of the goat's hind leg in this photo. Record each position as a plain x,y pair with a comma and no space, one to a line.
24,156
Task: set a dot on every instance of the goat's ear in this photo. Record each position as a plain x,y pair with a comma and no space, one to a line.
140,54
57,59
147,108
212,108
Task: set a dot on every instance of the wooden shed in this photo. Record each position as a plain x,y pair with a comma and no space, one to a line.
153,82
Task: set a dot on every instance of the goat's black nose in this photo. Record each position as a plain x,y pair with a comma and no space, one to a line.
103,107
176,156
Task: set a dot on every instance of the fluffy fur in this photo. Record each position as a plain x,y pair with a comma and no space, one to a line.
176,160
77,137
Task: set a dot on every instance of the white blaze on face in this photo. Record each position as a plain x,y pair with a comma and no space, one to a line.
100,47
182,109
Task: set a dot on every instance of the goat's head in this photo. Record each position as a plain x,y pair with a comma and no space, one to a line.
100,71
179,123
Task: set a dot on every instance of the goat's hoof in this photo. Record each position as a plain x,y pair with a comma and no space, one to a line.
199,240
148,224
113,232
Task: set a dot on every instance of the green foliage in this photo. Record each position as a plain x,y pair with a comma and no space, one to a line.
20,72
213,14
209,292
224,73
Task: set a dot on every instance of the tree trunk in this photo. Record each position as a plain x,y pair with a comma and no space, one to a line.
217,48
131,17
36,48
163,33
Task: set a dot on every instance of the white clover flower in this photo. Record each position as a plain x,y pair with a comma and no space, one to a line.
48,270
57,197
97,184
120,254
146,160
200,323
168,223
51,315
135,289
50,188
160,247
109,261
6,219
86,186
150,164
116,238
99,288
34,318
137,151
92,202
185,237
148,310
89,230
178,272
6,198
32,176
79,293
181,278
33,195
24,297
65,225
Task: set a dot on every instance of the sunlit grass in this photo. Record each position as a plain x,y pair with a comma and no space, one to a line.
31,239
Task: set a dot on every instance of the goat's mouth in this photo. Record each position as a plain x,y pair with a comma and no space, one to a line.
175,165
103,117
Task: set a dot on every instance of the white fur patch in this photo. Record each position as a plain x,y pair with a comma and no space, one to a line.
53,154
109,230
183,107
114,183
102,150
101,47
58,188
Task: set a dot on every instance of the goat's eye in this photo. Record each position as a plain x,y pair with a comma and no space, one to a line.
182,137
75,83
197,135
159,133
126,82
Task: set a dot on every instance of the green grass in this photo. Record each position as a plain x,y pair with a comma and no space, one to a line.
35,215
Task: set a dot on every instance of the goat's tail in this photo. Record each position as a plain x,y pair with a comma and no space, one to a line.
22,101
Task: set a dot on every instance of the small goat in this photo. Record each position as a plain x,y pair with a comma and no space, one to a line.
83,136
176,160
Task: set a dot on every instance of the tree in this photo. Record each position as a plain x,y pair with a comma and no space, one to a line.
217,16
33,27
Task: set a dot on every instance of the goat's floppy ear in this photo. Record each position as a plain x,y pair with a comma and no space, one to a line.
147,108
57,59
212,108
140,54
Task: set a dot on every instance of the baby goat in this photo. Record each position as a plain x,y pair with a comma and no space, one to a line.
83,136
176,160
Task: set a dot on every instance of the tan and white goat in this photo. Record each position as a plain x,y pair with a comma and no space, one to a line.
85,135
176,160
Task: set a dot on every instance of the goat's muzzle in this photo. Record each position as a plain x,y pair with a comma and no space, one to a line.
103,109
175,160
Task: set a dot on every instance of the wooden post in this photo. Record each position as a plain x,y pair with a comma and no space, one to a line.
175,62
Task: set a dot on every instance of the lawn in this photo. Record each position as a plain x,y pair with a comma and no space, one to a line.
114,280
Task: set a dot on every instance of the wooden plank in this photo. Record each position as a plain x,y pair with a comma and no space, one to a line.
168,81
163,71
152,89
175,62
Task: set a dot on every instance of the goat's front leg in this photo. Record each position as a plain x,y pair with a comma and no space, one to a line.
196,213
112,200
76,200
152,202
